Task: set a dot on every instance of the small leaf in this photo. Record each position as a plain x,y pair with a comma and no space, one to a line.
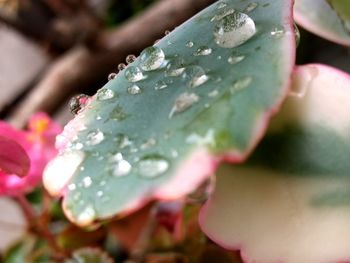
13,158
202,94
291,201
326,18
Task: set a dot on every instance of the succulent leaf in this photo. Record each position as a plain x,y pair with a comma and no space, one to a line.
203,93
327,18
291,201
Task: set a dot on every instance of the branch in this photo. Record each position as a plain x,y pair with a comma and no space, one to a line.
81,67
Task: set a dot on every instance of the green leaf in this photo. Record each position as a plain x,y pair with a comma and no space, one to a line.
202,94
89,255
291,201
326,18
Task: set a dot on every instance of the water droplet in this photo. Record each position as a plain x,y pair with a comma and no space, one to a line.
195,76
151,167
183,102
235,59
130,59
203,51
277,32
213,93
149,143
222,13
99,193
160,85
167,32
133,74
175,67
87,181
152,58
134,89
240,84
87,216
72,187
219,57
234,30
251,7
118,114
121,66
203,192
98,117
266,5
120,167
78,103
189,44
94,137
297,34
112,76
105,94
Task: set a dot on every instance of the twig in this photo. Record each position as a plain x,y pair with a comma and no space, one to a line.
82,67
37,228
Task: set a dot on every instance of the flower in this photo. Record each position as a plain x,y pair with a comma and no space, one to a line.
24,153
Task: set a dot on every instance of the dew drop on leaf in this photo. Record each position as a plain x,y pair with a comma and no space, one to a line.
120,167
134,90
94,137
112,76
87,216
203,51
195,76
189,44
251,7
105,94
175,67
133,74
130,59
234,59
152,58
152,167
77,103
121,66
233,30
183,102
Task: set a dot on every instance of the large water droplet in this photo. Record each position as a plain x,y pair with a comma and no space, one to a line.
221,5
105,94
203,51
234,59
251,7
94,137
195,76
234,30
78,103
175,67
133,74
151,167
120,167
183,102
134,89
152,58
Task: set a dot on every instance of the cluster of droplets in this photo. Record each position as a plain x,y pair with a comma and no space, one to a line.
231,29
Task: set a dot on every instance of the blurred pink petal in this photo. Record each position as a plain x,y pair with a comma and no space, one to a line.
13,158
38,144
